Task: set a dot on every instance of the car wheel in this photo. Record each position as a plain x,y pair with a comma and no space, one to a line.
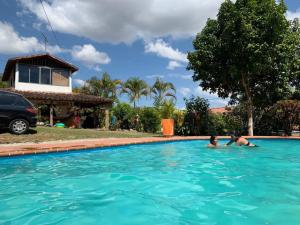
18,126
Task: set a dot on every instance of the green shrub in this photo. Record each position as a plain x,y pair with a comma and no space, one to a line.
167,110
150,119
288,112
196,117
178,121
284,115
217,124
236,120
125,115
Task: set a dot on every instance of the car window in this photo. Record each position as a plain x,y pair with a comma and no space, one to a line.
7,99
22,102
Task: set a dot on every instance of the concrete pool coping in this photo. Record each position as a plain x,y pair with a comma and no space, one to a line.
18,149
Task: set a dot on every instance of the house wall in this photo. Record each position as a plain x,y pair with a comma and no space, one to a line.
21,86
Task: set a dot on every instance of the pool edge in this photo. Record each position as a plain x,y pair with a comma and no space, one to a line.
88,144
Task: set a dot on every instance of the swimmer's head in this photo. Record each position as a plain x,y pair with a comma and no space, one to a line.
213,139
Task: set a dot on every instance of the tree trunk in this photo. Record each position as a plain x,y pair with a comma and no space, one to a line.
51,115
250,120
249,106
106,119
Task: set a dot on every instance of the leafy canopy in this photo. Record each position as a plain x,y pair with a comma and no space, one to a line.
135,88
104,87
162,91
248,53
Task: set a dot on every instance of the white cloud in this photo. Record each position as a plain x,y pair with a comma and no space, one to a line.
79,82
213,98
199,91
89,56
180,76
186,77
125,21
185,91
97,68
173,65
12,43
163,49
292,15
155,76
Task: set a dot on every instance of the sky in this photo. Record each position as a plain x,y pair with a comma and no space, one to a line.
126,38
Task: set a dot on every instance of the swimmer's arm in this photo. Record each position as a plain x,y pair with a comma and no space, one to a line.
229,143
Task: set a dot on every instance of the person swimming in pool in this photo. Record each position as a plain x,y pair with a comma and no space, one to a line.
240,141
213,142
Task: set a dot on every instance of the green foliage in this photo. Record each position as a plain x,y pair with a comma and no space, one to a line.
76,90
179,116
250,53
217,124
163,91
125,115
296,95
289,112
282,116
135,88
236,119
104,87
196,117
267,123
167,110
3,84
150,119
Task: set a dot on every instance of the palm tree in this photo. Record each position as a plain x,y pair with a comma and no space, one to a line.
162,90
104,87
135,88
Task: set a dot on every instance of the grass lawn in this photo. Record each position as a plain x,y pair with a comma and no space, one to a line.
41,134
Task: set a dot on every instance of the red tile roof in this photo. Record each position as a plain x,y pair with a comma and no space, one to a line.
219,110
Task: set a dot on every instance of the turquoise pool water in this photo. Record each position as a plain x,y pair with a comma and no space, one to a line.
155,184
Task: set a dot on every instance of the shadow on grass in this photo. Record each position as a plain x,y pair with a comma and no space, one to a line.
6,131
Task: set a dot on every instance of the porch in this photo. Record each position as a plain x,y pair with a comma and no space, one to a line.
74,110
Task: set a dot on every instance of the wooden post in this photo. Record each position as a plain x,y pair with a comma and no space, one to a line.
39,114
107,119
51,115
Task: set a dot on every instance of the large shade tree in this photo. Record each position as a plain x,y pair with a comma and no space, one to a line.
135,88
162,91
104,87
247,53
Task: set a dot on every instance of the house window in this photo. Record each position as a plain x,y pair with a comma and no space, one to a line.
60,77
34,75
24,73
45,76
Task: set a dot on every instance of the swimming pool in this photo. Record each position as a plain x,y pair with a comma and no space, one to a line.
164,183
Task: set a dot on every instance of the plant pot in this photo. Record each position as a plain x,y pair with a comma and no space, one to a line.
167,127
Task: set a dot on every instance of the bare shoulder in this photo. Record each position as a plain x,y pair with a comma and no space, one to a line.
211,146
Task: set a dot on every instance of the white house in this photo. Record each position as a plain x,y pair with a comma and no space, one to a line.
40,73
47,82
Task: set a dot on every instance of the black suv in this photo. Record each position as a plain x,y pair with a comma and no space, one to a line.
16,112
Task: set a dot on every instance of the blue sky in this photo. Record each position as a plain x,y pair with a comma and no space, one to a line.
147,39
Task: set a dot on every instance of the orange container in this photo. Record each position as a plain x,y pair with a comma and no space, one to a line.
168,127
